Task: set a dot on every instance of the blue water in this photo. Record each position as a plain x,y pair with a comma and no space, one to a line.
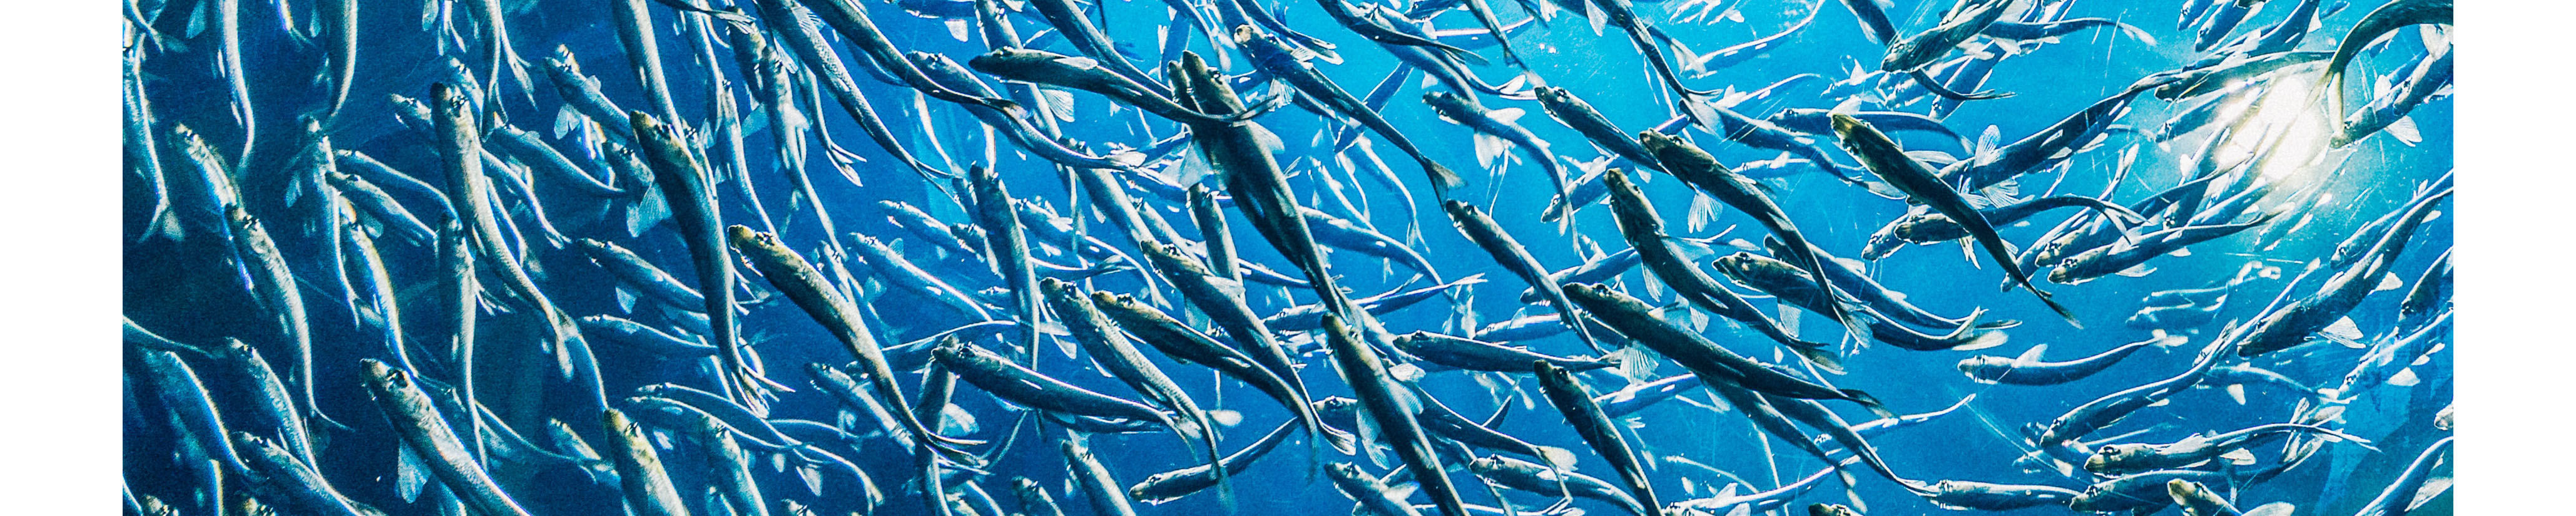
182,288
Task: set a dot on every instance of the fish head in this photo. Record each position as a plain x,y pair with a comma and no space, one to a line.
2112,456
384,378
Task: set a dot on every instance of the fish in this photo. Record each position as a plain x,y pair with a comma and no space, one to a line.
1575,401
648,487
1798,290
1475,355
2028,369
1110,349
809,290
2129,259
1501,124
1167,486
1920,184
2133,458
2110,408
1273,57
1374,496
2299,321
1983,496
2387,18
1712,362
682,178
426,435
276,474
1390,410
1644,232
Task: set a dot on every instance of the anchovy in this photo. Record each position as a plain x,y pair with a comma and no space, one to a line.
903,275
2295,323
1182,343
1630,317
1272,56
1638,396
1093,479
1375,497
1223,303
277,475
1882,156
2138,491
1171,485
1499,124
1982,496
682,178
2130,259
1389,408
1018,129
1589,421
639,469
1795,288
2029,370
2428,78
1078,30
1341,233
1034,499
852,22
1644,232
1583,118
805,40
2132,458
2385,360
1537,478
2110,408
2198,500
1476,355
1695,166
1928,227
1708,64
2049,146
1310,317
427,435
1110,350
2232,73
1090,74
2399,497
2387,18
635,271
807,288
1762,501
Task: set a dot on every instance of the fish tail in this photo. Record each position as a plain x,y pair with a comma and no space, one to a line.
1442,179
1867,401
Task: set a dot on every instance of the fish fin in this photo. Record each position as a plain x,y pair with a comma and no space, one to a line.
2404,378
2137,271
2389,282
2404,131
410,475
1703,209
2272,509
2031,355
1059,103
2343,332
813,477
625,300
2236,392
1490,149
2239,456
2180,253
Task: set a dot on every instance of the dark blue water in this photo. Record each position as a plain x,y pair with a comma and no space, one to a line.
180,289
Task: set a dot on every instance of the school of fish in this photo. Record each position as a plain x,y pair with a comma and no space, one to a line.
396,258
